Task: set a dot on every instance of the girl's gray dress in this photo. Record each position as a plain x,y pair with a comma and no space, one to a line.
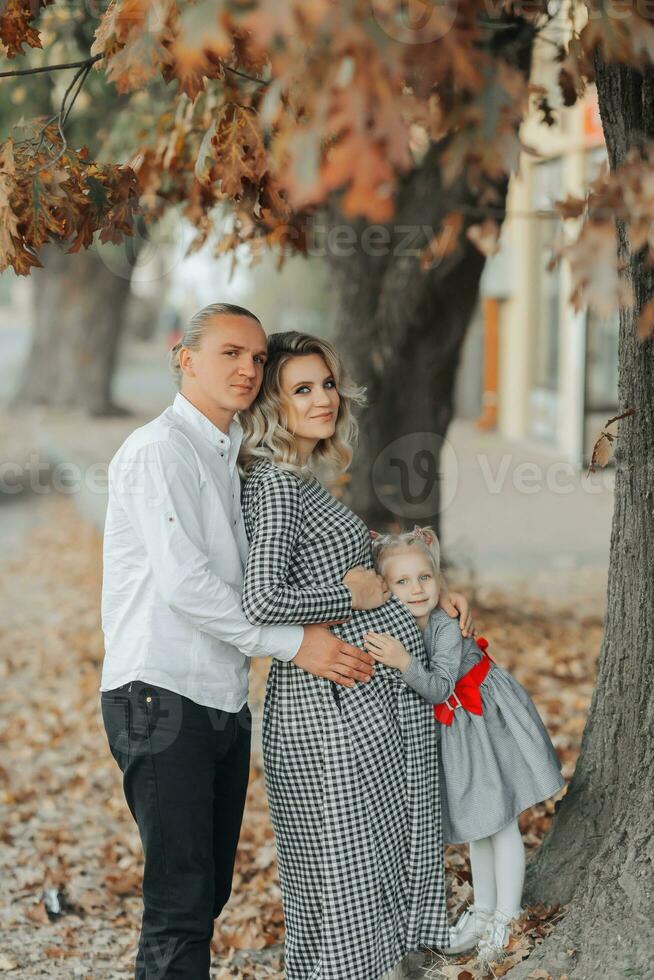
351,773
494,765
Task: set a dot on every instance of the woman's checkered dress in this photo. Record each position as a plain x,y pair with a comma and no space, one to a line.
351,773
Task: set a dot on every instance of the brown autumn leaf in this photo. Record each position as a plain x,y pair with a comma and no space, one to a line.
16,25
602,450
570,207
646,321
361,167
37,914
444,242
125,883
58,952
238,149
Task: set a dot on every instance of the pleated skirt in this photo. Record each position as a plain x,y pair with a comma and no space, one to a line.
494,765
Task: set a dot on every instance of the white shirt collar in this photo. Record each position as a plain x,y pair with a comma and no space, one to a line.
196,418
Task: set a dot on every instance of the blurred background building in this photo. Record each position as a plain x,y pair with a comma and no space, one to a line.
532,367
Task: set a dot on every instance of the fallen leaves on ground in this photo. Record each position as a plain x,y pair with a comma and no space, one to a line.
70,853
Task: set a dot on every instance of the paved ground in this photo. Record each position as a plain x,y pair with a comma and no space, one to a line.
524,519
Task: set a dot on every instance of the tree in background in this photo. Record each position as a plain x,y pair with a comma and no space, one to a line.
80,301
349,121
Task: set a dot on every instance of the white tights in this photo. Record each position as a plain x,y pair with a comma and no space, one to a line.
498,870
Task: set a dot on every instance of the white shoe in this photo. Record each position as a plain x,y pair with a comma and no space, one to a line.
468,931
494,944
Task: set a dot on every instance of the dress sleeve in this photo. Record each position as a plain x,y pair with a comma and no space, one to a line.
436,682
275,518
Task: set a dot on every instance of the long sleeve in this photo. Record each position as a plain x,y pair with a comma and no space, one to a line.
159,488
436,682
275,520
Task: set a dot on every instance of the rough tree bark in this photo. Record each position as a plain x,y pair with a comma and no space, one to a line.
599,856
79,311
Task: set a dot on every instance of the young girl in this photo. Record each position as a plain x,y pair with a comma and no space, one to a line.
496,757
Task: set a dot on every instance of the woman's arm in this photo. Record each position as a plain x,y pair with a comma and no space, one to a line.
457,606
275,518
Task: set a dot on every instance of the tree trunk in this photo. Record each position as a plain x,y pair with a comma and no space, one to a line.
401,330
79,311
599,855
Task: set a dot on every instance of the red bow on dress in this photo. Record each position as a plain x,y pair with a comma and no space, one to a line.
466,692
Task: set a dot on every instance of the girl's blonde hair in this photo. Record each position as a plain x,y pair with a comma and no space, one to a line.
423,538
266,433
195,329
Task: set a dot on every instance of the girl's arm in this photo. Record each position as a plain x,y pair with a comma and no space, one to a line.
434,683
274,519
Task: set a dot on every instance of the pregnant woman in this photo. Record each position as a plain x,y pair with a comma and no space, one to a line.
351,773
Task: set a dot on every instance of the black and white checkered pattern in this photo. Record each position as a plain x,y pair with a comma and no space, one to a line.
351,774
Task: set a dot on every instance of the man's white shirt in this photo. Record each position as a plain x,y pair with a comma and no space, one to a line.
174,553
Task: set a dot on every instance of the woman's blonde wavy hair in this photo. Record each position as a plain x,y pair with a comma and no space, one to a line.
266,434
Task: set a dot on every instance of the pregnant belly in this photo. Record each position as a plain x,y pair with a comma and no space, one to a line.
392,618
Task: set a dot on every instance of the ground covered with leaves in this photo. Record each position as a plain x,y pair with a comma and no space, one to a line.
70,855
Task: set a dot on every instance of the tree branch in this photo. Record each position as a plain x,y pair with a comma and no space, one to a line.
87,63
250,78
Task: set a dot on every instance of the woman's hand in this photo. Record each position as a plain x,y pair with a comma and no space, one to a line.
455,604
368,589
387,650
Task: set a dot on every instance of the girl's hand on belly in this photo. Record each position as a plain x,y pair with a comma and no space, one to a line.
387,650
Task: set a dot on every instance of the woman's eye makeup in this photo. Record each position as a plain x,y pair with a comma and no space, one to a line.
303,389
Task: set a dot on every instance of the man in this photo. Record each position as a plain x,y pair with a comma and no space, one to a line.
174,679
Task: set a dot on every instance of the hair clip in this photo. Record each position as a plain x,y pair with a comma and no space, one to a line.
423,535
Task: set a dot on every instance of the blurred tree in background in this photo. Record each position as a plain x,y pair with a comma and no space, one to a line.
80,301
390,132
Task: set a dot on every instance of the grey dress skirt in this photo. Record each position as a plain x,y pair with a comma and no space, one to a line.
494,765
351,773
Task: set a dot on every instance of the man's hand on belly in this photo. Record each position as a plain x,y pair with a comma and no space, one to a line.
326,655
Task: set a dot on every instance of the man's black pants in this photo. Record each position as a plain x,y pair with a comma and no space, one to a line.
185,772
